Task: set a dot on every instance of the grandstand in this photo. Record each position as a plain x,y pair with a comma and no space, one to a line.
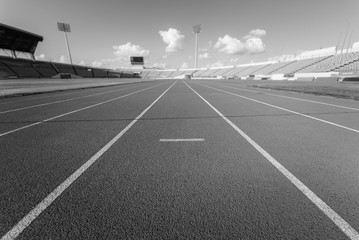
329,61
18,41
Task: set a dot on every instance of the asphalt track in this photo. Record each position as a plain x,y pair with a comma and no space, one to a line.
179,159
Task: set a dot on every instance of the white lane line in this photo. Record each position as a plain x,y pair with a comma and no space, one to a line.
284,109
331,214
31,216
294,98
182,140
53,94
77,110
65,100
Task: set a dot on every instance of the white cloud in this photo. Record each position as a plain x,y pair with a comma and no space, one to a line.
250,44
204,56
234,60
282,58
63,59
230,45
184,65
40,57
129,49
254,45
82,63
97,64
173,38
258,33
159,65
216,64
122,56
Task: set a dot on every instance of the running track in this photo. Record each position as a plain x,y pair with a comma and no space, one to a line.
179,159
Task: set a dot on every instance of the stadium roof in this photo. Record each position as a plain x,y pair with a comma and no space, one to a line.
18,40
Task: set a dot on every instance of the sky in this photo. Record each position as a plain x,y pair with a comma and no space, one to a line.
104,33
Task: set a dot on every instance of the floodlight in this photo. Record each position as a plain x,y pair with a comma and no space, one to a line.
65,27
196,30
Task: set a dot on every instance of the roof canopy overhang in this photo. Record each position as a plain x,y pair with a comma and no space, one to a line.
18,40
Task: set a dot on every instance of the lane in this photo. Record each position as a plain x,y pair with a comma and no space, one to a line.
289,96
220,188
324,157
343,118
17,121
248,86
35,161
47,95
39,103
325,208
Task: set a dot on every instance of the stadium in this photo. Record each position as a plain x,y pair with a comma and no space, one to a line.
242,127
329,63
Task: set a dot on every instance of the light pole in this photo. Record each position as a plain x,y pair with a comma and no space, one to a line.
65,27
196,31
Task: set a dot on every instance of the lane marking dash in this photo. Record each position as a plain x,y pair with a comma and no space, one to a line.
183,140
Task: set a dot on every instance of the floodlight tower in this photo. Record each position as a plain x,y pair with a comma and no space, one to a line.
65,27
196,31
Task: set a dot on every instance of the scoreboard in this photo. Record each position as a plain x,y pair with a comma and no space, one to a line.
136,60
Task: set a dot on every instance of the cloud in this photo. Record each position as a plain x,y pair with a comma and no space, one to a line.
282,58
252,43
82,63
129,49
230,45
97,64
216,64
234,60
173,38
159,65
204,56
63,59
184,65
40,57
122,55
258,33
206,49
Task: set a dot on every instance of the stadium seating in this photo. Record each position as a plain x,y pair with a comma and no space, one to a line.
350,67
167,74
334,63
99,73
84,71
46,69
189,72
272,68
236,71
300,65
177,73
113,74
23,68
252,69
222,71
200,72
5,72
208,72
144,74
64,68
153,74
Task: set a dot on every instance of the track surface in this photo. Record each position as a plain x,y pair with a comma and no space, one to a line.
148,183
